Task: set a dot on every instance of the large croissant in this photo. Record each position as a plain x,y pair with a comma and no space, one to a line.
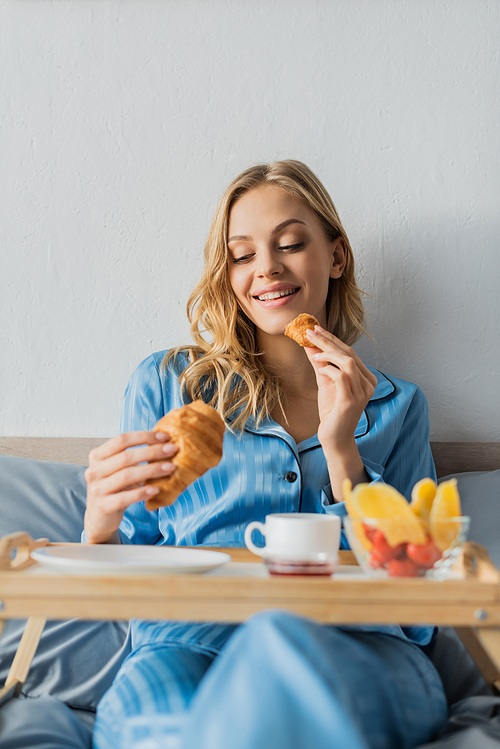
198,431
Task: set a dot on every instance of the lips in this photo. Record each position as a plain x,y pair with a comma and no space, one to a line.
279,291
274,299
275,295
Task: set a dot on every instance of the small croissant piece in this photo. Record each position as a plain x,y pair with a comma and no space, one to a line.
198,431
297,328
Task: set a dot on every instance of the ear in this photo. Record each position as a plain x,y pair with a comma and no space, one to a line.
339,257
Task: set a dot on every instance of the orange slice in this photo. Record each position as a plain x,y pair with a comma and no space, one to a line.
446,505
422,497
356,521
390,510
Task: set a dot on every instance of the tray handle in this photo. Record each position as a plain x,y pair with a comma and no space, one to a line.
22,544
475,562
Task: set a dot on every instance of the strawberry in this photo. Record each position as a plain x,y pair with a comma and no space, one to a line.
425,555
403,568
384,551
370,531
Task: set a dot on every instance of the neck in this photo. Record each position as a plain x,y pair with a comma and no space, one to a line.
288,361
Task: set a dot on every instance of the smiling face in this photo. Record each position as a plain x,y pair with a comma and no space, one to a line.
280,260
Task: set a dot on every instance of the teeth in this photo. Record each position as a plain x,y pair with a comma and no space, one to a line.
276,295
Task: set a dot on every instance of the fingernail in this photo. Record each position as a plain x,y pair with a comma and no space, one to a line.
152,490
169,449
167,466
310,333
319,329
161,436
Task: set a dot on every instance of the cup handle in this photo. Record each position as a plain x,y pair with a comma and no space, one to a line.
248,536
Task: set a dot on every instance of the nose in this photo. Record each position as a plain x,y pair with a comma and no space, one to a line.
270,265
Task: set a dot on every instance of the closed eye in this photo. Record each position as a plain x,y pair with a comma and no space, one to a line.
284,248
292,247
241,259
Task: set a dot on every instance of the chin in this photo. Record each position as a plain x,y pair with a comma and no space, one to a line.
278,330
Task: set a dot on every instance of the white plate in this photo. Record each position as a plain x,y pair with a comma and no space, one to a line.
114,559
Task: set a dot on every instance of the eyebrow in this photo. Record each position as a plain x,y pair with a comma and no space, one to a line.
246,238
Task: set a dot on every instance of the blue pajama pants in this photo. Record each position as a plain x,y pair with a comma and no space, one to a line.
281,681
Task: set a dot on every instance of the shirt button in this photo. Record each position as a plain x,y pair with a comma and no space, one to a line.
291,476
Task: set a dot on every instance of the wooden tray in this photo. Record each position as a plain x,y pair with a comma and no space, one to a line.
471,603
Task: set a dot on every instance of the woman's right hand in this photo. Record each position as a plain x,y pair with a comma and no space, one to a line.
115,479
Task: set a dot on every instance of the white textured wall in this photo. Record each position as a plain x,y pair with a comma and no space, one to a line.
121,123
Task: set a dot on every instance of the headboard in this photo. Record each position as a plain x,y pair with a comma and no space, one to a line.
450,457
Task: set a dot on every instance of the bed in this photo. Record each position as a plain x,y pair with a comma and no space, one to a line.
449,457
42,491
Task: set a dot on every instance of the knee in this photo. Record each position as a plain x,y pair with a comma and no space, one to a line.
268,626
270,620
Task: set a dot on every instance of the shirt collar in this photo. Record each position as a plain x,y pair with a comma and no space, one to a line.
383,388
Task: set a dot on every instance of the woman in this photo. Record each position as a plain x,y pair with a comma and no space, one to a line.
300,421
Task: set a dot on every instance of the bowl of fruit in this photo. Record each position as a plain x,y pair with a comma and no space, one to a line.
393,538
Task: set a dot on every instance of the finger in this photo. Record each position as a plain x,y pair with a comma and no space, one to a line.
340,362
351,385
101,469
337,347
320,333
358,381
115,505
329,349
123,441
344,392
344,382
132,477
325,340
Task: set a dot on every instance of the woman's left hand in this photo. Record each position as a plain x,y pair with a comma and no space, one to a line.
345,385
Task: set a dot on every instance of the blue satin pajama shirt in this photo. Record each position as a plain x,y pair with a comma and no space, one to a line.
262,471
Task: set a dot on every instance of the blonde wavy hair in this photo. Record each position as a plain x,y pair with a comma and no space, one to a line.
225,368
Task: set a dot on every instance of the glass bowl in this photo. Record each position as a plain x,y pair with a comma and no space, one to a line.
432,560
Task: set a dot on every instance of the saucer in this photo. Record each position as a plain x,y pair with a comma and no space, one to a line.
277,566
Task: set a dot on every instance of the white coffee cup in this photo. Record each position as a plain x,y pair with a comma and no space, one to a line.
297,536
